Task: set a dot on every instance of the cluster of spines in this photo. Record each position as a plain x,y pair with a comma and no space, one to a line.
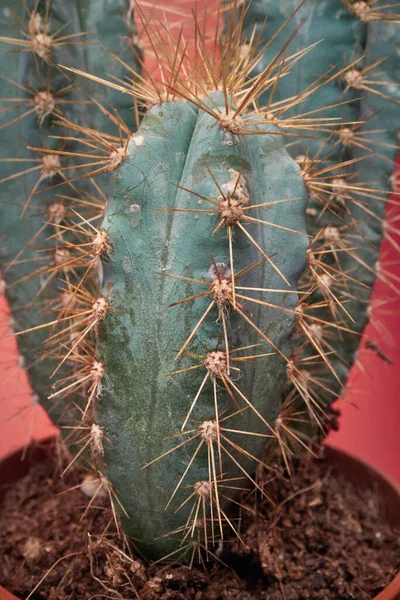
80,308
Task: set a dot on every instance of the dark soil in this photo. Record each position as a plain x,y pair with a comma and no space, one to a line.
324,540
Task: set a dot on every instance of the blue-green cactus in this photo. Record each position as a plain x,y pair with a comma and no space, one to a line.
350,199
35,95
144,333
164,257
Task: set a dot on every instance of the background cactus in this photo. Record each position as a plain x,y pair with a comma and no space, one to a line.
359,38
36,97
207,211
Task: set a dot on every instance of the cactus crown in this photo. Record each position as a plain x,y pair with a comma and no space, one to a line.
239,204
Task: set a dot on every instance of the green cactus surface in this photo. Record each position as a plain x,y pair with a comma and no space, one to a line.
352,44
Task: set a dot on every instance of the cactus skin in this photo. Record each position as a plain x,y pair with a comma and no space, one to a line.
137,409
110,23
343,34
16,231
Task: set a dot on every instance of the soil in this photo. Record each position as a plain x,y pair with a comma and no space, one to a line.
324,539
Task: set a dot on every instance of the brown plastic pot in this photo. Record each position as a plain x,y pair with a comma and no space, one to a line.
360,473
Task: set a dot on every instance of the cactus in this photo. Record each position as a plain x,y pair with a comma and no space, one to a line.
229,282
201,156
360,39
37,96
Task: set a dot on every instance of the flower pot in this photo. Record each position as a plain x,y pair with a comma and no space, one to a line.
12,469
363,475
